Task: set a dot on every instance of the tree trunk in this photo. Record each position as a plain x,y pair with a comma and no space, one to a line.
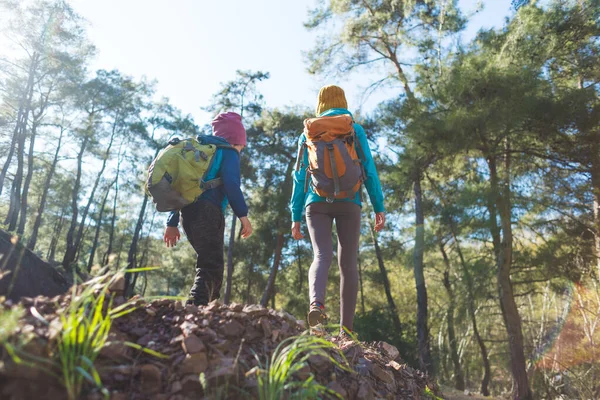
510,311
227,296
425,363
79,237
360,281
97,234
71,248
386,284
300,269
459,379
22,116
111,232
487,373
55,236
38,218
269,290
595,172
249,284
27,183
132,255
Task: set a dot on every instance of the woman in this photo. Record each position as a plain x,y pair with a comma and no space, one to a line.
322,211
203,220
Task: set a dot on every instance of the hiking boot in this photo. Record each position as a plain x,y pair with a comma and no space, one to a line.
195,302
316,314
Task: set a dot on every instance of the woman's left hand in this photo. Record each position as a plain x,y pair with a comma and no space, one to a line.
379,221
296,234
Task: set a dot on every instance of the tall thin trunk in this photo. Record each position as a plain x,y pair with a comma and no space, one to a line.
132,255
71,249
38,218
84,214
595,172
55,236
459,379
111,232
22,116
422,329
97,233
386,284
269,289
300,269
249,282
487,373
227,297
360,281
28,177
510,311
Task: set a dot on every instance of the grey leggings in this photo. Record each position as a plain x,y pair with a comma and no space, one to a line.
319,218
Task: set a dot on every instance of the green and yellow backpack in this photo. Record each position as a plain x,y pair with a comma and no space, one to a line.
177,175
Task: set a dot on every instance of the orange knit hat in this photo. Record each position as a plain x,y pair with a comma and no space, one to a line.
331,96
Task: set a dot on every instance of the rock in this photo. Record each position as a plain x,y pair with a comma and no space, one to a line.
214,305
55,328
275,335
193,344
235,307
187,328
336,387
160,396
266,326
301,323
232,329
190,308
117,283
390,350
255,310
190,384
119,396
194,363
176,386
365,392
395,365
144,340
363,367
303,373
151,311
382,374
139,331
178,306
115,349
150,379
320,363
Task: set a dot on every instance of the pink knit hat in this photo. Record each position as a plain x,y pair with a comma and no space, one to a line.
229,127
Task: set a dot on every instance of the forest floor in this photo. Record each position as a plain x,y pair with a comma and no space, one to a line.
449,393
226,345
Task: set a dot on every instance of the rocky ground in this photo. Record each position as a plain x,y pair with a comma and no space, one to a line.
221,341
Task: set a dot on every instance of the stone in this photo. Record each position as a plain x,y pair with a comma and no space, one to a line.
117,284
255,310
160,396
336,387
232,329
190,308
193,344
144,340
303,373
151,311
320,363
150,379
365,392
178,306
139,331
382,374
235,307
187,328
176,386
390,350
395,365
119,396
266,326
275,335
194,363
115,349
301,323
190,384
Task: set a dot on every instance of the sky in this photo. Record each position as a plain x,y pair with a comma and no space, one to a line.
191,46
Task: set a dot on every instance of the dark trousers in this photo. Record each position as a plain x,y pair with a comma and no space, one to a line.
204,224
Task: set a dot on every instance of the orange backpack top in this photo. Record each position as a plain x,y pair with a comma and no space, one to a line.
334,165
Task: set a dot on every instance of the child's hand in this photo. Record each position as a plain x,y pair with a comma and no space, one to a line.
296,233
171,236
246,227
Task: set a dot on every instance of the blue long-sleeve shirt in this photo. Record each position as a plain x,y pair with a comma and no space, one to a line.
301,199
227,166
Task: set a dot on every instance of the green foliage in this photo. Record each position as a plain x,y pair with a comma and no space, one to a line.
276,377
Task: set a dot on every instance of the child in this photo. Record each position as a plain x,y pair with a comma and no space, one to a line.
320,214
203,220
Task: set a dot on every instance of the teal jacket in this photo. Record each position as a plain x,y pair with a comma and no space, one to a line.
300,199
